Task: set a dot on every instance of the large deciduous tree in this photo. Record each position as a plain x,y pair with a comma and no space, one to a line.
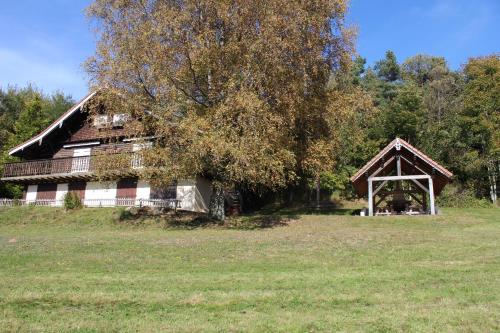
481,115
234,90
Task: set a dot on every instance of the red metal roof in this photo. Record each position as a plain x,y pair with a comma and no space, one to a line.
408,146
414,162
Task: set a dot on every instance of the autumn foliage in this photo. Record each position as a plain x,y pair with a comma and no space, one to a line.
234,90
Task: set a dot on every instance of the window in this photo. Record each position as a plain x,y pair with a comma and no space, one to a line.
137,158
101,121
168,192
81,160
119,119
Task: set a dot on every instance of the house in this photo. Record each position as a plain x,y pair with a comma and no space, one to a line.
62,159
401,179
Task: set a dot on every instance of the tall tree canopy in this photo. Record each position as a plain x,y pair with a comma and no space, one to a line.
388,68
25,112
481,115
235,90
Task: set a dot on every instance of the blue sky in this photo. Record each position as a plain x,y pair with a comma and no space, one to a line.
45,42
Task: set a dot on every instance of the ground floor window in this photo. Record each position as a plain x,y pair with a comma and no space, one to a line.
167,192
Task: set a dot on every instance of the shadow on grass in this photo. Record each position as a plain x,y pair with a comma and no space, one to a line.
325,209
269,217
191,220
330,211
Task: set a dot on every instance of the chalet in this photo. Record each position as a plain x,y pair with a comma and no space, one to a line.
61,159
401,179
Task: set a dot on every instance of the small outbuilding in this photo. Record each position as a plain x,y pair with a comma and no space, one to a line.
401,180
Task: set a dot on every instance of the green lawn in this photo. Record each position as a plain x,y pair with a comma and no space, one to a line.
84,271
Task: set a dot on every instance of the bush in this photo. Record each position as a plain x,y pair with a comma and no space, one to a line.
72,201
455,197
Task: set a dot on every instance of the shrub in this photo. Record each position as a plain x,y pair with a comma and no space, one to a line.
72,201
124,214
455,197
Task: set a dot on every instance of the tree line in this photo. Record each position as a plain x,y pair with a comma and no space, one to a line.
25,112
451,115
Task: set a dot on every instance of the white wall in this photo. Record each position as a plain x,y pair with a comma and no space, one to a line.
62,189
143,191
203,192
104,191
194,194
185,192
31,193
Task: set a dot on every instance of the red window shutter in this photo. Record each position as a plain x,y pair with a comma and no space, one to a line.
78,188
46,192
126,188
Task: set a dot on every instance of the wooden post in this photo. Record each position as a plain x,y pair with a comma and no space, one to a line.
370,197
431,196
398,165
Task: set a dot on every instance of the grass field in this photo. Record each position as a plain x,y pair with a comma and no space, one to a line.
85,271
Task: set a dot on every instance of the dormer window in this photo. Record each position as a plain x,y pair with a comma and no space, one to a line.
101,121
119,119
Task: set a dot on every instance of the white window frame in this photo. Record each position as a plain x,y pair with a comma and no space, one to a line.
101,121
81,160
119,119
137,158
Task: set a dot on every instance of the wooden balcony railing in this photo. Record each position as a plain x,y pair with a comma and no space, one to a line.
56,166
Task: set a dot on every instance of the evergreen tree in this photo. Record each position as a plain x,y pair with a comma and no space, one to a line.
405,116
24,113
388,68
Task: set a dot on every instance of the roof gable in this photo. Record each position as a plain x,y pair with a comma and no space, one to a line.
413,162
56,124
401,143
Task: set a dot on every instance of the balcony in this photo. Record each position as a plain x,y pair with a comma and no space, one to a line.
69,168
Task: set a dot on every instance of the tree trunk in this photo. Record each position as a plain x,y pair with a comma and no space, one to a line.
216,209
318,189
493,182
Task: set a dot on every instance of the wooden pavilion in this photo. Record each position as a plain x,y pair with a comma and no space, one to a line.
401,179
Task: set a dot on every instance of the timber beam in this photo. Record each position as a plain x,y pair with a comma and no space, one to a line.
385,179
404,177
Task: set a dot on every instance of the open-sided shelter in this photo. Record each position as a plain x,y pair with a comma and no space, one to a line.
401,179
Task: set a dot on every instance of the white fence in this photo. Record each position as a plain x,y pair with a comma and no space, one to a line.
19,202
118,202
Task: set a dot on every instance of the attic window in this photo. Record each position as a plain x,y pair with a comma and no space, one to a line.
119,119
101,121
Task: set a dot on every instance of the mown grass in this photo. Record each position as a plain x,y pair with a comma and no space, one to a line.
85,271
